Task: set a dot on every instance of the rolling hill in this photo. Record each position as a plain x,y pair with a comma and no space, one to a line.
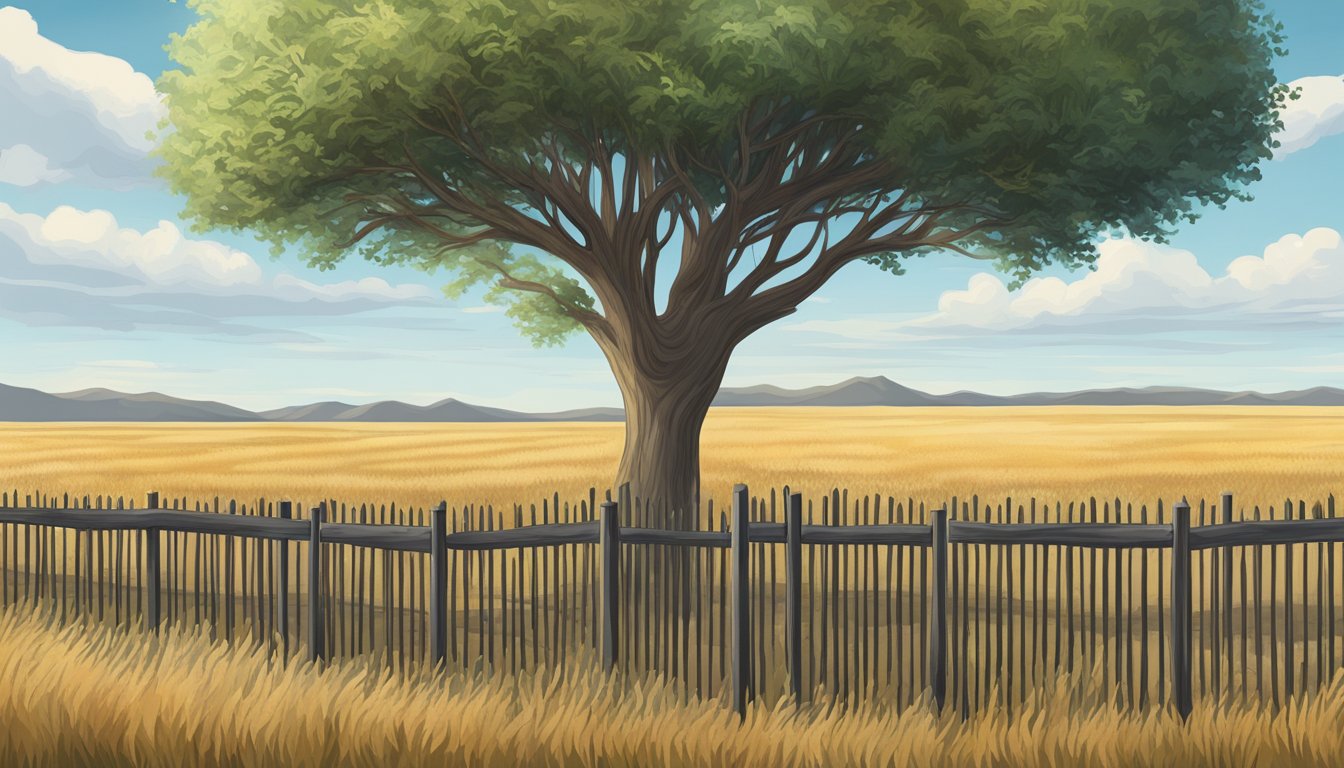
22,404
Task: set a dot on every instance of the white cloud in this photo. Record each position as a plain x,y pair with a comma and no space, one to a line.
76,267
1318,113
1138,288
1306,267
485,309
70,115
1298,277
374,288
1131,276
23,166
158,257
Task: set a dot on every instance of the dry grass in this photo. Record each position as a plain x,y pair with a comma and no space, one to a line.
1138,454
87,695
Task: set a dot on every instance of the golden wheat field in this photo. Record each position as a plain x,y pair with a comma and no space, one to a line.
179,699
90,695
1137,454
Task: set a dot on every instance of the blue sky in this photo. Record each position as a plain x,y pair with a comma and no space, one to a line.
101,283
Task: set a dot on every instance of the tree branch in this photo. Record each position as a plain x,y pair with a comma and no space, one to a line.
594,322
764,308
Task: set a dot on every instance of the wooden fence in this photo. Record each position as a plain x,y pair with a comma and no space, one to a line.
965,605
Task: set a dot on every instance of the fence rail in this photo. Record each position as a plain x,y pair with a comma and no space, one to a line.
419,538
644,596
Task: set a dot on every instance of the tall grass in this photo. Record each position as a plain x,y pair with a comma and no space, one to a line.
92,695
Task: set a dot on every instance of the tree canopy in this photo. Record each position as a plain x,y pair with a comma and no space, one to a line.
446,133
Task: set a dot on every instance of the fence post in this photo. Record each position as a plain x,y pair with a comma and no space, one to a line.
1227,588
793,588
741,586
286,510
1180,609
152,569
609,547
938,610
438,594
317,642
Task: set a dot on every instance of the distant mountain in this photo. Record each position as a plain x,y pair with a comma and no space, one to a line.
392,410
880,390
325,411
856,391
449,410
583,414
21,404
161,406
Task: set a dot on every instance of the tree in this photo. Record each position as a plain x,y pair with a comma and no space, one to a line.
558,150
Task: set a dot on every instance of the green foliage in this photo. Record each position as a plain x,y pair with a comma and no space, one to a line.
534,314
1067,118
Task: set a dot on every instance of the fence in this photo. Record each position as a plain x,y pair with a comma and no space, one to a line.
968,609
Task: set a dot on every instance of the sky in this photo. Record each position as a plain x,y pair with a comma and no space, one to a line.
102,284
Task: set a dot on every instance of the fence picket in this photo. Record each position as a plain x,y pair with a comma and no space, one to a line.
1225,504
286,511
1180,609
793,567
153,568
1143,618
610,547
1331,634
938,616
317,644
741,577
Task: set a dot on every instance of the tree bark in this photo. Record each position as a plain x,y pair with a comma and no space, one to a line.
667,382
666,402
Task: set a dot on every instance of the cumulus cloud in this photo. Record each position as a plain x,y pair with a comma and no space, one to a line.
1139,294
372,288
1139,286
70,115
23,166
82,268
70,240
1318,113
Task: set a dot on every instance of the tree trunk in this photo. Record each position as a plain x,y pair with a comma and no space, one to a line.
666,402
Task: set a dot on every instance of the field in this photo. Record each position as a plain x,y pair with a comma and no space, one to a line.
184,695
1137,454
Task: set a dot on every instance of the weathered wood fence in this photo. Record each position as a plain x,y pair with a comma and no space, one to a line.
964,605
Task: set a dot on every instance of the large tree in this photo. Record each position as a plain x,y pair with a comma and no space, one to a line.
558,150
